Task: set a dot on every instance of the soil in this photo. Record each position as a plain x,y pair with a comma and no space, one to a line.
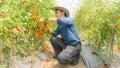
53,63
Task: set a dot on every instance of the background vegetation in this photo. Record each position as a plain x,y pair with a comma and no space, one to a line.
22,29
98,22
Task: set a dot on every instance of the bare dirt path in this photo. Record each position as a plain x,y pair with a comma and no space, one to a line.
44,60
53,63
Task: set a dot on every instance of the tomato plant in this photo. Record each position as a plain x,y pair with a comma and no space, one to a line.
96,19
22,28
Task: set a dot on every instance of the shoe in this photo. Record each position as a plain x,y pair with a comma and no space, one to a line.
75,60
73,64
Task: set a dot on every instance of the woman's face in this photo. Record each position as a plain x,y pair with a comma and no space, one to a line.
59,14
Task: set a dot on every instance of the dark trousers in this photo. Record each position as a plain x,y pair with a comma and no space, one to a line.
65,53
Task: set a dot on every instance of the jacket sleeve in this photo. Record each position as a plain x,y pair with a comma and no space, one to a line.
56,32
65,21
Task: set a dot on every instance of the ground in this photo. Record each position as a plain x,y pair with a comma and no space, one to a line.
44,60
53,63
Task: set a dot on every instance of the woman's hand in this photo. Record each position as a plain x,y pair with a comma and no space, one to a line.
53,19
